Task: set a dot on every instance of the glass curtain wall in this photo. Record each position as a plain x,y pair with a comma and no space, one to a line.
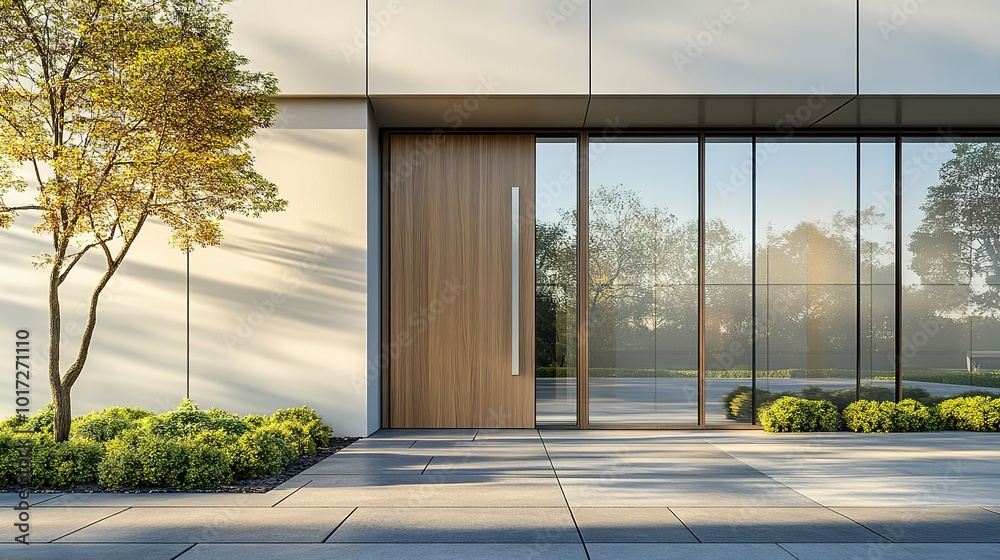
806,267
877,370
729,196
555,281
950,331
643,274
801,284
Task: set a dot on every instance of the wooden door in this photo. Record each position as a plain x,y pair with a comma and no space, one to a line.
450,281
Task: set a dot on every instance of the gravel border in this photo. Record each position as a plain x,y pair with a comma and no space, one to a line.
250,486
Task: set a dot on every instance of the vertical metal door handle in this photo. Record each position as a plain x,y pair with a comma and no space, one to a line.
515,280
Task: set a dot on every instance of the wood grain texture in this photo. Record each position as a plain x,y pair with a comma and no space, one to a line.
449,281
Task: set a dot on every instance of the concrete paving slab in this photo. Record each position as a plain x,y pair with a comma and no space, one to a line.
640,551
929,525
42,551
194,525
170,499
624,464
426,491
457,525
367,444
425,434
373,463
764,525
48,524
506,551
630,525
489,465
505,434
495,446
679,491
11,499
890,551
901,491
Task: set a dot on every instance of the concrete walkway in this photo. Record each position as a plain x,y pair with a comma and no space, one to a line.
566,495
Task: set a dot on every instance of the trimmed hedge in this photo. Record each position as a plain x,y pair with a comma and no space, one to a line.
794,414
977,414
907,415
125,447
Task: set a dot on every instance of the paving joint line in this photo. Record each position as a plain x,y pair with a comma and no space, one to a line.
789,552
89,525
860,524
183,552
678,518
572,516
291,494
339,525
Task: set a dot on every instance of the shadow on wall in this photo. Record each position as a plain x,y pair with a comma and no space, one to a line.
278,320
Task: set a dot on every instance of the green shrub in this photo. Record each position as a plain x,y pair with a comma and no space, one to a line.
14,422
260,452
140,460
65,464
793,414
298,436
184,448
122,464
741,405
107,424
254,421
914,416
977,414
309,420
43,420
870,416
178,423
226,421
10,456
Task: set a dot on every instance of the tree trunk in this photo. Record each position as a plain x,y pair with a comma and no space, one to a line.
60,396
63,414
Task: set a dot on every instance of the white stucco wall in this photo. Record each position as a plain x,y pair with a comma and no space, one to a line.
281,313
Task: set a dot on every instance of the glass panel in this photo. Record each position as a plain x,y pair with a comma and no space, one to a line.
878,271
555,281
806,269
951,301
728,287
643,332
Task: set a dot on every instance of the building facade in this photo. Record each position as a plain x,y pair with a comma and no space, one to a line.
615,213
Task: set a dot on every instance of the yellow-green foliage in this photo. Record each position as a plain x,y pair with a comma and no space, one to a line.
977,414
792,414
182,448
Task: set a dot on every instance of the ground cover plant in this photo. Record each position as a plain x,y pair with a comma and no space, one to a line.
186,448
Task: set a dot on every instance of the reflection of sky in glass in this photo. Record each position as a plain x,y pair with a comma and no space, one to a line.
804,182
729,185
665,173
878,190
555,179
921,162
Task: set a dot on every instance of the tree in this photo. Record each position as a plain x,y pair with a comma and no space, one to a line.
123,111
958,240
